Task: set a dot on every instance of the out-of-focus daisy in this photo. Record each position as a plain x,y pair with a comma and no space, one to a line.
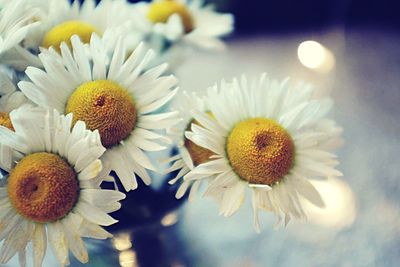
189,154
267,137
10,99
110,93
190,21
16,19
61,19
49,196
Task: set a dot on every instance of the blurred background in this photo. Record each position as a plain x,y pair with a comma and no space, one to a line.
349,50
255,16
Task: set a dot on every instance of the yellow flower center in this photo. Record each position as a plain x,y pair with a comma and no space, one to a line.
260,151
43,187
105,106
64,31
160,11
198,154
6,121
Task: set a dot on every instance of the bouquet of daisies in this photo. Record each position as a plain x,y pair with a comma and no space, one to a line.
85,93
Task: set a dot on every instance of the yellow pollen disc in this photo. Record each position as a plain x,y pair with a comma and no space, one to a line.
160,12
43,187
105,106
260,151
6,121
64,31
198,154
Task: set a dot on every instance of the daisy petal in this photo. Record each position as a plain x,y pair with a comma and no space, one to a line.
94,214
39,240
58,242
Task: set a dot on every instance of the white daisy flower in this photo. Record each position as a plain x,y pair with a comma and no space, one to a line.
189,21
10,99
60,20
49,196
17,18
15,21
189,154
269,138
110,93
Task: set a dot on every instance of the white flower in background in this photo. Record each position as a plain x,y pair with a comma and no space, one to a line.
60,20
189,21
189,154
15,21
17,18
10,99
113,94
269,138
48,197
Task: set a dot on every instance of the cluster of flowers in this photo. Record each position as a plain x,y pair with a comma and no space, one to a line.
83,95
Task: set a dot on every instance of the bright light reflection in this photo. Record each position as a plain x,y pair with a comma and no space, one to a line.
170,219
315,56
177,264
128,259
340,210
122,241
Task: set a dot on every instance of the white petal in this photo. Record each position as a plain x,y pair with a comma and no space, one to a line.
9,138
92,230
88,156
127,177
146,144
100,197
182,189
179,164
81,58
208,168
158,103
22,257
94,214
318,167
90,171
194,189
232,199
75,243
57,239
16,240
180,174
39,240
221,183
255,204
307,190
141,158
6,158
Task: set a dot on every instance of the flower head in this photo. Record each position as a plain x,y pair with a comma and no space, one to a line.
15,21
266,137
189,154
189,21
17,18
111,93
51,190
161,11
61,19
10,99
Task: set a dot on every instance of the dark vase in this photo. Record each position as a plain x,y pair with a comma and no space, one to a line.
147,233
